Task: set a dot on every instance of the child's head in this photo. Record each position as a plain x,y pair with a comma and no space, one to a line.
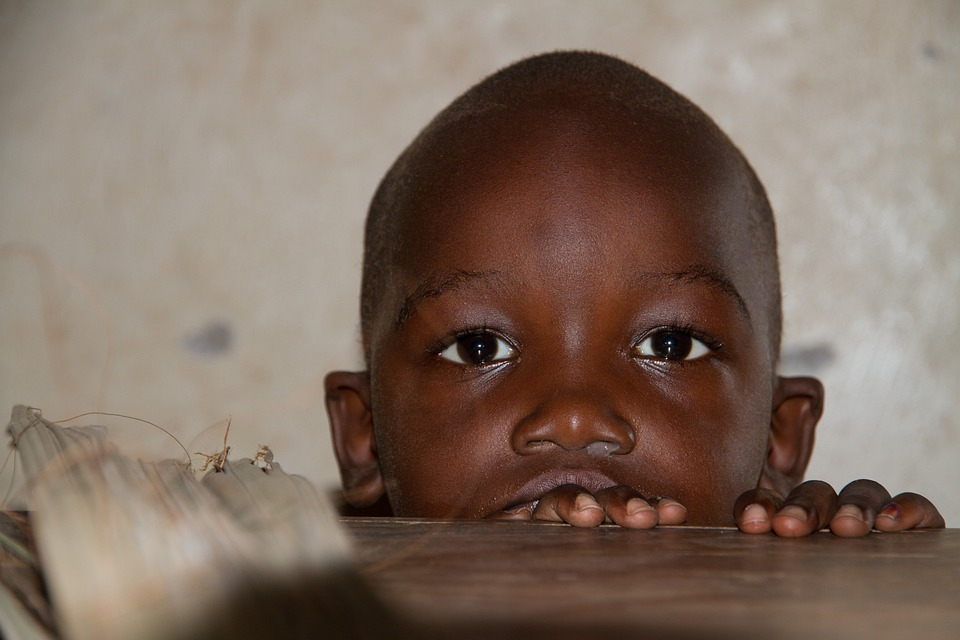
570,277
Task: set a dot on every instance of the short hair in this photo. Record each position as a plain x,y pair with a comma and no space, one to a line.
586,73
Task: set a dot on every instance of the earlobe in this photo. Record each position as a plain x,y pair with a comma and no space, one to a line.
354,442
797,407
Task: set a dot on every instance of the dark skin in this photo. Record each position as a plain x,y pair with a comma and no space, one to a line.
573,330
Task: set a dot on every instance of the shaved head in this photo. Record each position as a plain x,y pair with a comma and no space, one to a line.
590,91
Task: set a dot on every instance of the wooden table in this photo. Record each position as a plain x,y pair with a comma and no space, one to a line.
517,579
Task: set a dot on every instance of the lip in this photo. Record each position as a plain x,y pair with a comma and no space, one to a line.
530,492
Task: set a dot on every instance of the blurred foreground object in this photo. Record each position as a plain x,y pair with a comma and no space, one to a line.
130,549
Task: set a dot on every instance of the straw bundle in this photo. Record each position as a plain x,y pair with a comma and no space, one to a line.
130,549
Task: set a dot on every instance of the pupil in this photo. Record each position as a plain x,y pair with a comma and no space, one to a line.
478,348
672,345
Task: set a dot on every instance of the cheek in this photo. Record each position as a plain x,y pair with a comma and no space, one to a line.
712,449
437,447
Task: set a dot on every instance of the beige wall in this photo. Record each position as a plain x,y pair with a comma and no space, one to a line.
182,188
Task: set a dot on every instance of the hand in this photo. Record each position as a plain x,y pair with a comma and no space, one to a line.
620,505
861,507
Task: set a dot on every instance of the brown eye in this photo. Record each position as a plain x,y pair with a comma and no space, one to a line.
477,349
671,345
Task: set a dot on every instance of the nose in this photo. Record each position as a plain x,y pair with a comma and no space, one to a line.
574,421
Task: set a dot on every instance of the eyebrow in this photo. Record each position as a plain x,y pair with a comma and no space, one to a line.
435,286
459,278
705,275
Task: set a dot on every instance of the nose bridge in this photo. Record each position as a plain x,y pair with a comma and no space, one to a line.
574,413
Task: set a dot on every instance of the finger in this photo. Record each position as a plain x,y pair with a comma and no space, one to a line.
627,508
754,510
572,504
522,512
909,511
857,508
669,510
807,509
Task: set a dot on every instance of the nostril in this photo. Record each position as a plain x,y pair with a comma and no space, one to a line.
602,448
575,421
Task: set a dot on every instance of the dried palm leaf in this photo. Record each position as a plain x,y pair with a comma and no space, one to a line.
131,549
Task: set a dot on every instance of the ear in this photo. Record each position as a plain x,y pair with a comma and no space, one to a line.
351,425
797,407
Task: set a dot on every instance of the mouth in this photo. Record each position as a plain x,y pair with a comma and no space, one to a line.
530,493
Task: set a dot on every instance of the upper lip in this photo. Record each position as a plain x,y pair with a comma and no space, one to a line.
536,487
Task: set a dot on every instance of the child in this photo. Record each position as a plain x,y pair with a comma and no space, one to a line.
570,309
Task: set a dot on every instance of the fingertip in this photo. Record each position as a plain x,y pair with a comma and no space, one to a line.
586,502
510,515
639,506
849,522
909,511
625,507
762,500
754,519
792,522
671,512
674,516
587,512
919,512
889,517
638,515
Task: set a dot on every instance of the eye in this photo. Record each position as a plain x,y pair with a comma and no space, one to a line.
671,344
477,349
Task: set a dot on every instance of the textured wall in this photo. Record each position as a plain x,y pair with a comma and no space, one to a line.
182,187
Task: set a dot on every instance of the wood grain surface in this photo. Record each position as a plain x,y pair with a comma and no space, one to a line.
516,579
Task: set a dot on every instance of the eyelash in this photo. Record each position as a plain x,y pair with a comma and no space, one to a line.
441,345
712,345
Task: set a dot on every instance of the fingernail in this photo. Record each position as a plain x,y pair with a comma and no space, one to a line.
793,511
636,505
520,508
584,502
849,511
754,513
891,511
670,502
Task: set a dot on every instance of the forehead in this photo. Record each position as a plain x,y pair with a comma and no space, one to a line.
580,178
